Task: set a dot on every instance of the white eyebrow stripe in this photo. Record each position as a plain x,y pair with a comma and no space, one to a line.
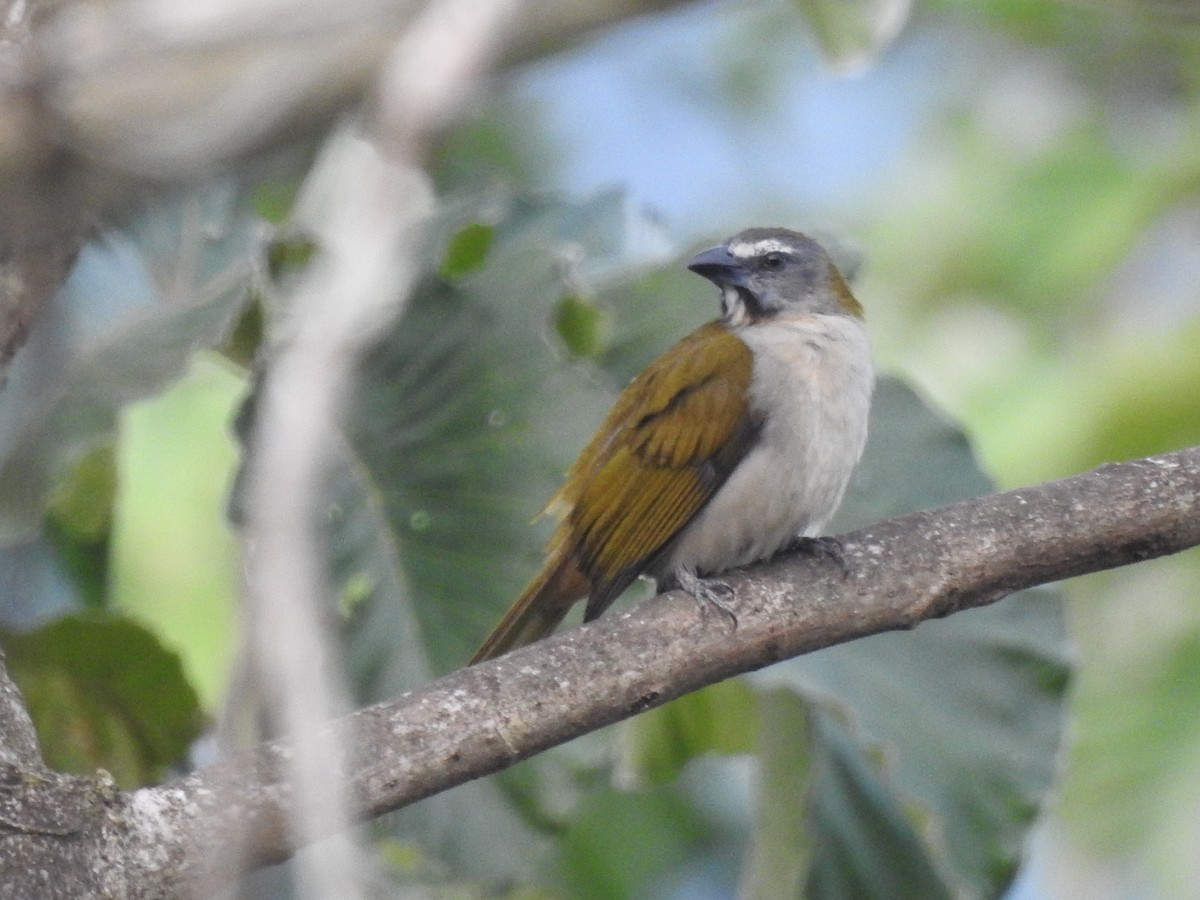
744,250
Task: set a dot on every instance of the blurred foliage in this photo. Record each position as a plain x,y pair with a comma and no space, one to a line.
619,843
581,324
143,298
1057,312
852,33
465,413
104,694
140,302
780,849
467,251
1031,263
174,466
79,521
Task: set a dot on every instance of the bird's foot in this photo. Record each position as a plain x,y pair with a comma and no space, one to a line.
821,547
708,594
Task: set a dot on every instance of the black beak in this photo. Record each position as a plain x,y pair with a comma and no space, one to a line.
719,266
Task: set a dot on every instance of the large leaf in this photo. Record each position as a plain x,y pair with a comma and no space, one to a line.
968,716
177,572
780,851
465,417
941,741
104,693
139,301
967,711
865,844
466,414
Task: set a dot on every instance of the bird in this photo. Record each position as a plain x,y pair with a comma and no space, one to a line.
736,443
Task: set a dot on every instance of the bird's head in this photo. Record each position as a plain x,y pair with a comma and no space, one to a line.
763,272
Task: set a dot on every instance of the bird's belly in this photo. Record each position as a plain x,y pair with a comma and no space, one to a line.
767,502
791,483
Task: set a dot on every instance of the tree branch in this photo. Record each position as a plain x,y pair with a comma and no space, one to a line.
366,205
480,720
100,101
32,268
94,112
18,741
158,841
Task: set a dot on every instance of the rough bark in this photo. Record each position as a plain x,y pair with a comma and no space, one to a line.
146,843
32,267
18,741
85,110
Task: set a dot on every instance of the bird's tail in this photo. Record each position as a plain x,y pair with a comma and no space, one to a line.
539,609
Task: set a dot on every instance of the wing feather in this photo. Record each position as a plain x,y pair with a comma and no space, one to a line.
670,441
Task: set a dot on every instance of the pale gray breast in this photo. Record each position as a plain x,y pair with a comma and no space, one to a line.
812,383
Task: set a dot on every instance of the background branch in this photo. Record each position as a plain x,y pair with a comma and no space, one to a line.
366,206
18,741
103,102
902,572
99,103
31,267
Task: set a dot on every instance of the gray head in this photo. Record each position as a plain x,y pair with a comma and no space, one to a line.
763,272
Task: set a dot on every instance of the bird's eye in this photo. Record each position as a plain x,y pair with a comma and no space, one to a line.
773,260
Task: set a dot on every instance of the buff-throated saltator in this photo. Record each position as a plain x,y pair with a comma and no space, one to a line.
732,444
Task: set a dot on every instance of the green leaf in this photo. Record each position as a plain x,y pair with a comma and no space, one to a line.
82,503
139,302
853,33
467,251
622,842
967,710
465,417
866,844
104,693
79,521
273,200
721,718
780,851
289,253
246,337
581,325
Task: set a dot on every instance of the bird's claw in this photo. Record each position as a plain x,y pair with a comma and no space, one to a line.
708,594
821,547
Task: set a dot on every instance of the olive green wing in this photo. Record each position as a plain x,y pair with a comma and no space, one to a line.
669,443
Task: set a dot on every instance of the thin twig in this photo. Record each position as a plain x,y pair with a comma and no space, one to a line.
365,209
